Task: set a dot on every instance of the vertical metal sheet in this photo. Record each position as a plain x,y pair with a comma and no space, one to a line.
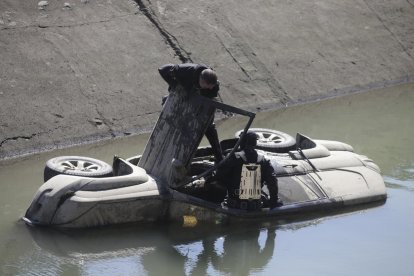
177,134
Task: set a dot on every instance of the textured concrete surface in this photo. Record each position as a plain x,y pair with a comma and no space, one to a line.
87,70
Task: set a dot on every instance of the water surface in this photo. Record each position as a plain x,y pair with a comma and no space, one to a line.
374,241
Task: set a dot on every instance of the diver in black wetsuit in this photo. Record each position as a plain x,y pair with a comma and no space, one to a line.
230,173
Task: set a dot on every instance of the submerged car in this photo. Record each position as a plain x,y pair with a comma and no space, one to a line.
173,180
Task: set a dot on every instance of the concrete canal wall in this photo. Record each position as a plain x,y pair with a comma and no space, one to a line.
74,71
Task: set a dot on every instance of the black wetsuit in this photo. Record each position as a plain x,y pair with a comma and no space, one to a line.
188,75
230,174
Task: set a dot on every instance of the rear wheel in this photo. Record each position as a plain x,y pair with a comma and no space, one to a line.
272,140
76,165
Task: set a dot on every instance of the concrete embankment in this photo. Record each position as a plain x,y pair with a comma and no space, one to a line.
79,70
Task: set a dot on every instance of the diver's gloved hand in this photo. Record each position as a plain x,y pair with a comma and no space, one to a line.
199,183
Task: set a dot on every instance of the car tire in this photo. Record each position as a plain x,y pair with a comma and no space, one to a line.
272,140
77,166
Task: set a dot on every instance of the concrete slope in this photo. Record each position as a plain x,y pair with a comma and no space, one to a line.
87,70
294,50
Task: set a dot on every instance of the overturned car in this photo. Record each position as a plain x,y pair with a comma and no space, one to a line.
173,180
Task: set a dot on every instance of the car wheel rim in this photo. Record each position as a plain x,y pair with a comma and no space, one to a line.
79,165
269,138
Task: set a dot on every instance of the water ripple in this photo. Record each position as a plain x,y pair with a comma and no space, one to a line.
403,184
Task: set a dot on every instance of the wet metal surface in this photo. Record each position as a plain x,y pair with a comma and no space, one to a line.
374,241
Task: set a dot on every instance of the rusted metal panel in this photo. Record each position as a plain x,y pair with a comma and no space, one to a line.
177,134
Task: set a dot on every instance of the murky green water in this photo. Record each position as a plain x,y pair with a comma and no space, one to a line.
375,241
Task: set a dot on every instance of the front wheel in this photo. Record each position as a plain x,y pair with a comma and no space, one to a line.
272,140
76,165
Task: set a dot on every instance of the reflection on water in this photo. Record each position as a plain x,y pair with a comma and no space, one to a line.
375,241
155,250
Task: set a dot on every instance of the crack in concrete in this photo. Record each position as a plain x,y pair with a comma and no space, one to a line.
105,121
26,137
17,138
170,40
388,29
184,56
233,57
